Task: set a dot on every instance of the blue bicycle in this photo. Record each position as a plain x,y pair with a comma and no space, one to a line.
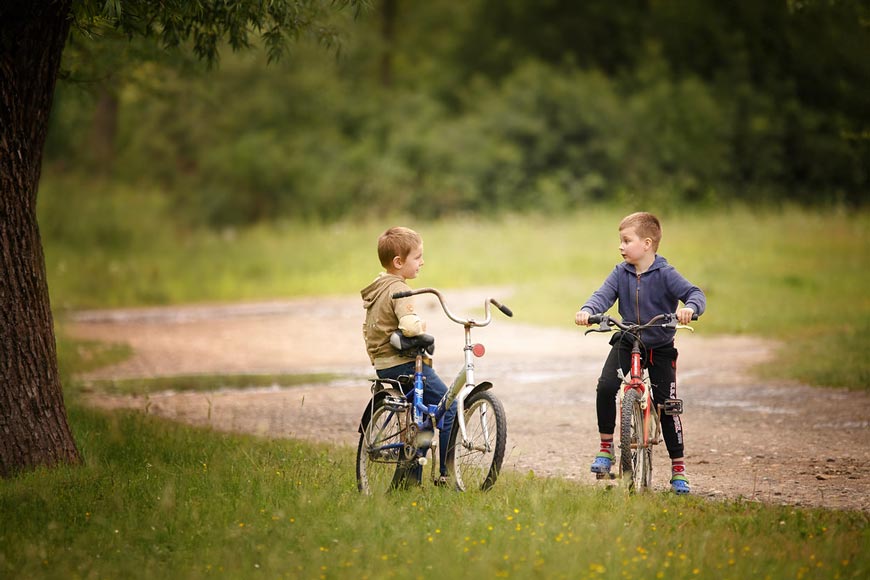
397,430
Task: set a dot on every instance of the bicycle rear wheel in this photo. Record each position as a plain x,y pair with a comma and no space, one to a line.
635,458
476,463
382,461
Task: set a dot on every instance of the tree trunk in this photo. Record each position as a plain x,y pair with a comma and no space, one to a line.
104,128
33,424
388,39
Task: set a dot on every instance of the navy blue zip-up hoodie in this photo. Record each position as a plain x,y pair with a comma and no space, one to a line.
657,291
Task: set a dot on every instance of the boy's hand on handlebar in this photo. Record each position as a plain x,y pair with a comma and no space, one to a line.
581,318
684,315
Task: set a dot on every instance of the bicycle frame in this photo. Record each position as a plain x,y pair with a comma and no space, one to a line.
463,385
638,381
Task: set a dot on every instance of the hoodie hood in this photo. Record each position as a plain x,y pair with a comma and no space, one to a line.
382,319
658,262
379,286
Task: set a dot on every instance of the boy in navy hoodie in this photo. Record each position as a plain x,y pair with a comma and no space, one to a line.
645,285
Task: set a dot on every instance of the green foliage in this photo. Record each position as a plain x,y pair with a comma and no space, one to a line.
591,34
208,26
801,105
155,499
528,106
545,140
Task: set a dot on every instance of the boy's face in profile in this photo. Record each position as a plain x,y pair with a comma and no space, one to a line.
632,247
410,266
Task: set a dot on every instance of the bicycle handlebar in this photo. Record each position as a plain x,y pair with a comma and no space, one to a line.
668,320
469,322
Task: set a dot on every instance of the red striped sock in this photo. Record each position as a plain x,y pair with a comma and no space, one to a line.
606,446
678,467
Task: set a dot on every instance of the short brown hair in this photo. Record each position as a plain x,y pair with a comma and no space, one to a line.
646,225
398,241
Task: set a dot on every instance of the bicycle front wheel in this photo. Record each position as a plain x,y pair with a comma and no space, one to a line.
382,462
635,457
476,462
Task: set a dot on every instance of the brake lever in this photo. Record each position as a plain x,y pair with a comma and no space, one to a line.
605,326
675,324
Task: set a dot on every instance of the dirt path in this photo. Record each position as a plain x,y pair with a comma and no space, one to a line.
769,441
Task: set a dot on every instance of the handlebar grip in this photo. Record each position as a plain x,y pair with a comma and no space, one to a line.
404,294
694,317
507,311
596,318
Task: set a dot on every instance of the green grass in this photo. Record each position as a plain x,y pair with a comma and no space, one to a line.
796,275
202,383
87,355
155,499
159,500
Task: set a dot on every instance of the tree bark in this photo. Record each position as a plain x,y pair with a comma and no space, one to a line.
389,9
34,430
104,128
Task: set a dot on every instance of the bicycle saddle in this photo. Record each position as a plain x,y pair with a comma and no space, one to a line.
410,345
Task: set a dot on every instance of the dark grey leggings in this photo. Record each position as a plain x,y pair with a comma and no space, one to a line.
663,376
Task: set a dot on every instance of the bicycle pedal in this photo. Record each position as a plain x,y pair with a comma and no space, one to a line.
673,407
395,404
607,475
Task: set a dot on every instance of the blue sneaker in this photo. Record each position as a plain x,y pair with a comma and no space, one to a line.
603,462
680,484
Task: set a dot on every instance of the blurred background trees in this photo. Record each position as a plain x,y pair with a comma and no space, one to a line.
445,108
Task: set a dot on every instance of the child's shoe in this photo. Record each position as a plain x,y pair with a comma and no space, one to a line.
680,484
603,462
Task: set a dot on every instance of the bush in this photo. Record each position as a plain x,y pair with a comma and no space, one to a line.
309,140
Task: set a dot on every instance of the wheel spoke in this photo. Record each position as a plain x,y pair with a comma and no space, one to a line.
381,462
476,461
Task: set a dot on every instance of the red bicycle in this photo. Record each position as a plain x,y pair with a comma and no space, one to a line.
639,427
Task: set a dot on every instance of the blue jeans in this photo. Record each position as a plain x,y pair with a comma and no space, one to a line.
434,390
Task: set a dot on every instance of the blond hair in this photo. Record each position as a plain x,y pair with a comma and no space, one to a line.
398,241
646,225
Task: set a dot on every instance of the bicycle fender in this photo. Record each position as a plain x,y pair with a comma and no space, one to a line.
484,386
367,412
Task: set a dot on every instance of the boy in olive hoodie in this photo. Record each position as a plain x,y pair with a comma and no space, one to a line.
400,251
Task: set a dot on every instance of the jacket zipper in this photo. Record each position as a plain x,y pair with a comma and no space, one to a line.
637,298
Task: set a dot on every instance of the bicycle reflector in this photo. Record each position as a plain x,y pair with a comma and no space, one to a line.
478,350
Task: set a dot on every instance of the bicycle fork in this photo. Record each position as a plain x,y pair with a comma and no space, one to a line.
642,386
671,407
462,385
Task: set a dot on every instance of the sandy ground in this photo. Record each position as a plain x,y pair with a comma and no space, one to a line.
770,441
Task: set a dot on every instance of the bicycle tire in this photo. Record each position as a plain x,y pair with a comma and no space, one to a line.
475,464
382,462
654,433
635,458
